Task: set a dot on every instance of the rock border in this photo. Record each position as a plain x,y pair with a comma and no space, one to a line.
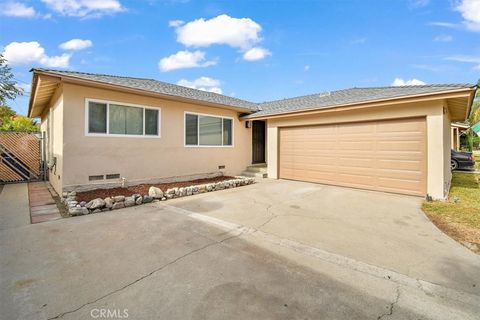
97,205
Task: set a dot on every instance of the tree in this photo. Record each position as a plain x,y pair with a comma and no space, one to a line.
474,119
19,124
8,86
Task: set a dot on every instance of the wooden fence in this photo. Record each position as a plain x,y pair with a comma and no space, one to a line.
20,157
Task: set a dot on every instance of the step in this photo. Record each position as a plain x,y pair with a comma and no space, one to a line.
261,169
254,174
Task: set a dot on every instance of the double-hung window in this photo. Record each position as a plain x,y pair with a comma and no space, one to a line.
206,130
111,118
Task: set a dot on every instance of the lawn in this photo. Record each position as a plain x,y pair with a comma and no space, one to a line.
459,216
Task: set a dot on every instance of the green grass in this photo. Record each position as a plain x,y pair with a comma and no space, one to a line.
466,189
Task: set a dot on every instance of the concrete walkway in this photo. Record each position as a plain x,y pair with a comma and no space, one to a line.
14,208
42,205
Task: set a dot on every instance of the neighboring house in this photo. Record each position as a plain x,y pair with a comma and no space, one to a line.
458,129
102,128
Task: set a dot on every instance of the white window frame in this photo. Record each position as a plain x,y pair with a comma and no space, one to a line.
115,135
198,130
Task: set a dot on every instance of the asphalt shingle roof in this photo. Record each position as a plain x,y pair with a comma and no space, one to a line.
314,101
156,86
348,96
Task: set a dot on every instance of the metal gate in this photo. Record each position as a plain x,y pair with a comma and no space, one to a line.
21,157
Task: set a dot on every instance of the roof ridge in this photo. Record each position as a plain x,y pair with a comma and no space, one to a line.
94,74
420,86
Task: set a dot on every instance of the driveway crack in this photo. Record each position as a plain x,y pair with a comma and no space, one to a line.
391,305
147,275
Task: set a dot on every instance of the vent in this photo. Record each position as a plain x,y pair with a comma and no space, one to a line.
221,167
113,176
95,178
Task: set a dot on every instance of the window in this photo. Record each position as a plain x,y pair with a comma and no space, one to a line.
206,130
118,119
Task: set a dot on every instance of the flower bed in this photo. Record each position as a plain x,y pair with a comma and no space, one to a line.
109,199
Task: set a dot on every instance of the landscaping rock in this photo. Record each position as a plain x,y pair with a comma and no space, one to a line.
83,203
70,199
72,194
129,201
136,195
172,191
95,204
71,204
97,211
108,202
139,200
77,211
119,198
147,199
209,187
189,191
164,199
170,196
118,205
64,194
155,192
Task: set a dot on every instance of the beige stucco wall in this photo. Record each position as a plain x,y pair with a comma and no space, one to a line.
447,146
437,164
52,126
141,159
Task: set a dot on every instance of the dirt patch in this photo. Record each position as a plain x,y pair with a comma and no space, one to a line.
143,188
456,231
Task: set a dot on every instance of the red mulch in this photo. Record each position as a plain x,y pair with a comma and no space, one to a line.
143,188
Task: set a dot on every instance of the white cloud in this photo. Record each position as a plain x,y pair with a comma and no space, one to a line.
256,53
84,8
444,24
18,53
76,44
359,40
306,68
202,83
443,38
398,82
466,59
17,9
184,59
238,33
175,23
419,3
470,10
23,86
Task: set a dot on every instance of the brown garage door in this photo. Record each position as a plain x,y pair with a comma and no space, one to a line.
379,155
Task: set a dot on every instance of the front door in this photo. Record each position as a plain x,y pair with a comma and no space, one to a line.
258,145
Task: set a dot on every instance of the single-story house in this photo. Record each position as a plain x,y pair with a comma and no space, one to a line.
102,129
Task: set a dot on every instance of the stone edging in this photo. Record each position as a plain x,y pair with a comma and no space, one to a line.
75,208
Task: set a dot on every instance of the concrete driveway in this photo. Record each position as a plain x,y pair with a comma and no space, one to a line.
175,260
385,230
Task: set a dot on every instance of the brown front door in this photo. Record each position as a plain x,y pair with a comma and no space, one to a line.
258,143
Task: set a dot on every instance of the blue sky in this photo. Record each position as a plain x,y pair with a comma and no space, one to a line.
254,50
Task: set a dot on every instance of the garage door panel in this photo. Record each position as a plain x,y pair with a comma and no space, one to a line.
379,155
411,165
400,145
